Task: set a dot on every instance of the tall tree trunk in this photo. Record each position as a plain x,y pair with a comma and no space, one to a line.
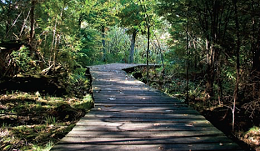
212,25
53,43
187,63
256,57
32,22
147,20
237,67
219,82
104,59
147,53
132,49
255,40
209,72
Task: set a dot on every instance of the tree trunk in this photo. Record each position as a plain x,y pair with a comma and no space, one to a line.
256,57
237,67
53,43
187,63
147,54
104,59
32,21
210,70
255,44
132,49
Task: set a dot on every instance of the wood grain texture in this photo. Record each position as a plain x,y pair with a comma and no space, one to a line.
129,115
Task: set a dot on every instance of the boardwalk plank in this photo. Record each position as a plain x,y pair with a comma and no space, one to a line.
157,147
157,109
141,141
144,127
111,104
142,115
143,134
121,124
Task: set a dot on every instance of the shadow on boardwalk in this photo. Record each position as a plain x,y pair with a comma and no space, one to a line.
129,115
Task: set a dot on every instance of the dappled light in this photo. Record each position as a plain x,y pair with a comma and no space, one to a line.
128,114
158,56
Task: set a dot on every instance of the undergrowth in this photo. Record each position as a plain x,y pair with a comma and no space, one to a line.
32,120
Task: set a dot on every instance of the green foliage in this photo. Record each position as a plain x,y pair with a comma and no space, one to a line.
78,78
50,120
85,104
47,147
216,43
100,13
77,84
130,15
253,129
20,59
68,33
90,47
118,45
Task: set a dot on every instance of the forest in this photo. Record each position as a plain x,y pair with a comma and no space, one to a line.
209,52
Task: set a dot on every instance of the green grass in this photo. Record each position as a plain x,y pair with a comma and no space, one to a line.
38,122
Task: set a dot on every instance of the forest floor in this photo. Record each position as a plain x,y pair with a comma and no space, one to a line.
38,113
219,114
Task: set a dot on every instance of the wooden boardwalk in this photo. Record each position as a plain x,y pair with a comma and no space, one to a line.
128,115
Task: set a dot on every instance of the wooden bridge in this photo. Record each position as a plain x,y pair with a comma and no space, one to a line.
129,115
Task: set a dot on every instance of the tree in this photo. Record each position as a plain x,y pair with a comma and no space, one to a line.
130,17
224,38
13,14
101,14
209,21
148,22
32,21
